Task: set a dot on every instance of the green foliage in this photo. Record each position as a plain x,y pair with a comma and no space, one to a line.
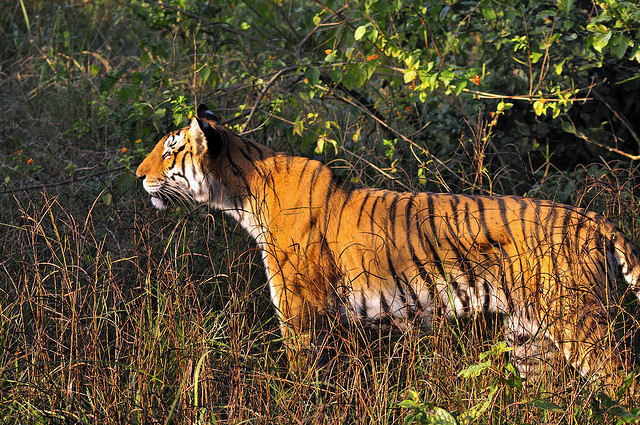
507,380
421,413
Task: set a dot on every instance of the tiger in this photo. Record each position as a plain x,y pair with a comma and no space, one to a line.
338,252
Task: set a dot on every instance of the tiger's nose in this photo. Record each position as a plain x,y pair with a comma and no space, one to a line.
140,172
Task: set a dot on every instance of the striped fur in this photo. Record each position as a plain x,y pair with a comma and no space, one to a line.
337,252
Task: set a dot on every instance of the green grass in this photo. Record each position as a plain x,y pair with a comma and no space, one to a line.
112,312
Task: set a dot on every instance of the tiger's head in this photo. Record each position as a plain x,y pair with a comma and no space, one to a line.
182,166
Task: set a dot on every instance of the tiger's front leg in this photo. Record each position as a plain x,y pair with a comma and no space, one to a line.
306,331
305,304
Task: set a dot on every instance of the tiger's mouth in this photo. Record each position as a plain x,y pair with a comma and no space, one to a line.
166,196
159,201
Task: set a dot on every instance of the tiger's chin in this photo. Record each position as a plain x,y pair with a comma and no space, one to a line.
158,202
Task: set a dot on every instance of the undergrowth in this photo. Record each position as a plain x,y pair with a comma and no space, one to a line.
111,312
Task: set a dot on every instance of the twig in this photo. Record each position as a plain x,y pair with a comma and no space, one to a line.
72,180
609,148
618,115
323,22
263,92
601,145
223,26
378,169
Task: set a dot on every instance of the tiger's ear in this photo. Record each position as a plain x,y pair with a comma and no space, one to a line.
205,113
205,137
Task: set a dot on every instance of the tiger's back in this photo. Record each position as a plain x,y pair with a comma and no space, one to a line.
334,251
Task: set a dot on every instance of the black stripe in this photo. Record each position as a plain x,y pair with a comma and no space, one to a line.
258,149
372,215
344,207
462,258
327,210
175,156
486,302
366,198
484,225
464,297
304,169
453,203
396,277
434,252
363,306
392,218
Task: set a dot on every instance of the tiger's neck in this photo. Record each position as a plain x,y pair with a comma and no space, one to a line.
270,193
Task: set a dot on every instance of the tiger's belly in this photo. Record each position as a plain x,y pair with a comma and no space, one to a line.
406,303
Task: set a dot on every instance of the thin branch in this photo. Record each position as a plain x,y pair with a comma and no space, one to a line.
413,144
618,115
525,97
378,169
263,92
223,26
63,183
609,148
322,23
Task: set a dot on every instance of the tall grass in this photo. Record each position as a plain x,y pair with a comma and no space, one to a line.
162,324
113,313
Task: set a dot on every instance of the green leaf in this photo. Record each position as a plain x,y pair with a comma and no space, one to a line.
539,108
568,127
600,41
158,114
496,349
373,35
443,417
354,77
461,85
298,127
546,405
408,404
565,5
205,71
447,76
336,75
108,82
619,45
313,76
503,106
410,75
488,12
360,31
475,370
535,57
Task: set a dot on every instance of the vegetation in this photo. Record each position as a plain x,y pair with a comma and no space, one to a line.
111,312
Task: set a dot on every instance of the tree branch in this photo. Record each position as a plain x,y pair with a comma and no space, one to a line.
223,26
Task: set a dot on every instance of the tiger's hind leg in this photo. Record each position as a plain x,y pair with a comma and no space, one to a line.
587,339
533,349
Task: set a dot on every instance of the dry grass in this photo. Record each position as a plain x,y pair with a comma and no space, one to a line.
122,315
